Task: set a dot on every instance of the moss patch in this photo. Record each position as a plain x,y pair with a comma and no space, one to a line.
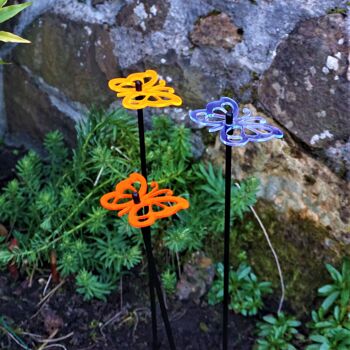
300,245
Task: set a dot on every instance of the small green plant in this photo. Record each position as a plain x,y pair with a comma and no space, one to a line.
337,293
331,322
212,188
246,292
335,339
53,205
277,333
332,333
90,287
169,281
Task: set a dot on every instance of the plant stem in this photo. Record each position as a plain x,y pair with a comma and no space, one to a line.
53,263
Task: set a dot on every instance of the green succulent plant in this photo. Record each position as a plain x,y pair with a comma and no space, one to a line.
330,326
169,281
277,333
245,290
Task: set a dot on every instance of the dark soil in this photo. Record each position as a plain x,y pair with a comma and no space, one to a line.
195,326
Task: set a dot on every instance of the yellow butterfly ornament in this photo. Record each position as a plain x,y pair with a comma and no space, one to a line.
154,92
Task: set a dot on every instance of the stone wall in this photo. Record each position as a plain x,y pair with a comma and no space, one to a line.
288,59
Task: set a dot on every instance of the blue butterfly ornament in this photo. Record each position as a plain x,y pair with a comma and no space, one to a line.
235,130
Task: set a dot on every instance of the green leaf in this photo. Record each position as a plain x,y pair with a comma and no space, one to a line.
346,269
325,290
8,37
270,319
318,338
345,297
334,273
328,302
10,11
5,257
3,3
244,273
294,323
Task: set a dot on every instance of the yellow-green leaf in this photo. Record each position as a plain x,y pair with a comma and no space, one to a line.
3,3
12,38
11,11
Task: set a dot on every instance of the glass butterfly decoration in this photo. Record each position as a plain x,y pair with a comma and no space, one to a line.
154,92
153,205
244,129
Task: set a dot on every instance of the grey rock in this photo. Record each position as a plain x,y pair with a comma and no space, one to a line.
29,121
197,278
115,38
310,101
73,57
144,16
216,30
339,158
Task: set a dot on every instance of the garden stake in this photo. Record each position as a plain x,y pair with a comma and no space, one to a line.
235,131
138,85
139,204
229,120
154,283
140,90
147,233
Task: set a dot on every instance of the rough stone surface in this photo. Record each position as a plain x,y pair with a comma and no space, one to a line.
196,278
339,156
306,88
76,58
33,114
156,34
144,16
216,30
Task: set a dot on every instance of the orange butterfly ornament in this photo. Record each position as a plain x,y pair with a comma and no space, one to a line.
154,92
131,197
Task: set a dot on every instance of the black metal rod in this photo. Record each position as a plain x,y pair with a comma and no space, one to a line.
227,237
154,282
152,295
148,245
146,233
141,136
147,238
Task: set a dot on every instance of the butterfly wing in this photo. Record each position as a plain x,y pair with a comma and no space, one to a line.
147,212
121,199
126,86
157,96
249,129
214,116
